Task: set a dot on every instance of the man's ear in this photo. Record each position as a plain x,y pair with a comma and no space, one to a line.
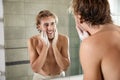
79,16
39,28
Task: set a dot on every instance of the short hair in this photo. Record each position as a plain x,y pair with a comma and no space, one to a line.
94,12
45,13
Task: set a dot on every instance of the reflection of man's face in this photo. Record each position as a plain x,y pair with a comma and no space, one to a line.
49,26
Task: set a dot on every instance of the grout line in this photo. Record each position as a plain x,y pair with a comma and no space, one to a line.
17,62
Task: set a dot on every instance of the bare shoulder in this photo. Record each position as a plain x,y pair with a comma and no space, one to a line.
103,38
90,43
33,40
92,46
99,39
91,57
62,37
98,43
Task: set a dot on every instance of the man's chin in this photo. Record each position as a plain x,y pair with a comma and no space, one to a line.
50,38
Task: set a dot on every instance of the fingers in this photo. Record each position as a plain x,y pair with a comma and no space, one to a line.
56,34
82,34
45,38
79,30
54,42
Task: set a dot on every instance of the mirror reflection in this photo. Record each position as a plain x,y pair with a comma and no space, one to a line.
20,25
49,53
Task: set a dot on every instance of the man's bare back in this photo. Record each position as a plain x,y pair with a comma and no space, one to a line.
110,64
100,47
103,54
50,67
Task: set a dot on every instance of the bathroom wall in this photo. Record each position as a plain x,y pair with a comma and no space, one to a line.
74,47
16,56
114,5
19,21
2,51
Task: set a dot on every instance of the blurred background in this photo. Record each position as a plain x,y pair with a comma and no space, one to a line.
18,18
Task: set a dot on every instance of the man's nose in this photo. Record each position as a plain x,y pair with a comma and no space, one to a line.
50,27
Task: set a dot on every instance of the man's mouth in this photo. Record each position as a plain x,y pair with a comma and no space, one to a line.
50,32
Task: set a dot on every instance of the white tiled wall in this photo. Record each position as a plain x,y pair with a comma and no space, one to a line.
2,53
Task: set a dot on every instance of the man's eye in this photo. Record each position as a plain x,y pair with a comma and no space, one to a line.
52,23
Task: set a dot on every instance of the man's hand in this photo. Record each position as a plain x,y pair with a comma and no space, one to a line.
45,38
54,42
82,34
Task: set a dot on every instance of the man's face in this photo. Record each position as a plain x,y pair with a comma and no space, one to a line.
48,25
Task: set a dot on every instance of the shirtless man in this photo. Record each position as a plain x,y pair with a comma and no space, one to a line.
100,47
49,52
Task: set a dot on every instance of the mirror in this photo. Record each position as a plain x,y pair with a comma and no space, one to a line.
19,26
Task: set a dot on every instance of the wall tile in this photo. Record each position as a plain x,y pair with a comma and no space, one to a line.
13,7
15,33
40,1
75,66
74,42
17,78
31,31
59,2
30,77
13,0
30,20
34,8
16,55
14,20
30,72
15,43
74,52
16,71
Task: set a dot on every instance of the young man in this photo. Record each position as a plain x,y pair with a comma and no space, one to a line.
49,51
100,47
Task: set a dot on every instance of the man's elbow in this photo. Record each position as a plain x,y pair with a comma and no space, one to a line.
34,68
66,66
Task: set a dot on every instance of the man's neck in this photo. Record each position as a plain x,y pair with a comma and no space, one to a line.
50,40
94,29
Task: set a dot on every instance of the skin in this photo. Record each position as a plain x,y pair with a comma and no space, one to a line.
52,59
100,52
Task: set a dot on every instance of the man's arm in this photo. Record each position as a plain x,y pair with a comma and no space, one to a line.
62,57
90,58
36,60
